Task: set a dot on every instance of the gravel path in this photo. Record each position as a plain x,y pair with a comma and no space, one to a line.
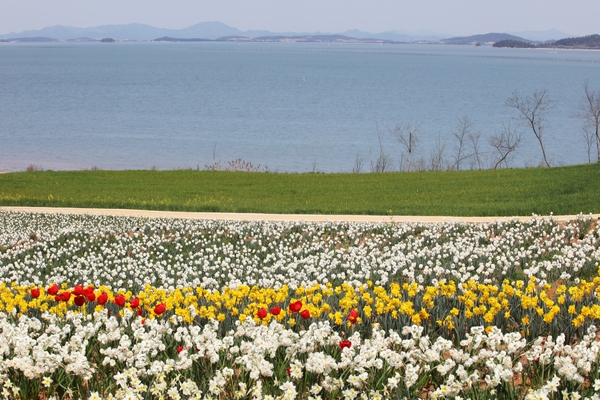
273,217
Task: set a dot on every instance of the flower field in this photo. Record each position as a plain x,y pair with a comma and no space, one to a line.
113,307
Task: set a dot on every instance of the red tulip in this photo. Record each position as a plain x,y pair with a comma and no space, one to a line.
262,313
180,349
160,308
305,314
353,316
119,300
139,312
52,290
103,298
65,296
78,290
345,343
275,310
134,303
288,371
143,321
88,291
91,296
57,298
79,300
35,293
295,306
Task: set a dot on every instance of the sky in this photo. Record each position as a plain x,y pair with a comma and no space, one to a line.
454,17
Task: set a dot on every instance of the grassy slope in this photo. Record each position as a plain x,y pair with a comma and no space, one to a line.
563,190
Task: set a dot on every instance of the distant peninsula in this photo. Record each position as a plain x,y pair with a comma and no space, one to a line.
488,38
583,42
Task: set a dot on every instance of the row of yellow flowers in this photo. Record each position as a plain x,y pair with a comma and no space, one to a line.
446,305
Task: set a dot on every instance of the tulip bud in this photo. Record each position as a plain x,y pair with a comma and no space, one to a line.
79,300
120,300
295,306
134,303
160,308
103,298
305,314
35,293
353,317
52,290
65,296
275,310
262,313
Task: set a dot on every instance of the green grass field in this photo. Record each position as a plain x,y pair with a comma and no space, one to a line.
508,192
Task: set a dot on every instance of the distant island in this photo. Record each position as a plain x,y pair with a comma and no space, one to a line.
281,38
488,38
32,40
514,44
583,42
107,40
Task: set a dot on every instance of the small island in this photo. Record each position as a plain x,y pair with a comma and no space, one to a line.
514,44
107,40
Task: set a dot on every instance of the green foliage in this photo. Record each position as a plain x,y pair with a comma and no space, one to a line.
509,192
591,41
514,44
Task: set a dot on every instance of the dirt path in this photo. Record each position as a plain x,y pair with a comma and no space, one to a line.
272,217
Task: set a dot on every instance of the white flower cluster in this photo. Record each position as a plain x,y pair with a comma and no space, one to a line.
128,253
245,360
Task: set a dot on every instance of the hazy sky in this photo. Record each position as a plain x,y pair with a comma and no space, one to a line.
456,17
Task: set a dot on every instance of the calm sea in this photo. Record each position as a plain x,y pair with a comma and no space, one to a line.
290,106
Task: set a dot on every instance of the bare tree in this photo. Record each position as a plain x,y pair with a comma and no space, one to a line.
384,161
407,136
462,134
358,164
589,112
436,159
505,142
421,164
589,138
476,160
532,110
314,167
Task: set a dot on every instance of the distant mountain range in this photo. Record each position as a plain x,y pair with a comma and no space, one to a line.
215,30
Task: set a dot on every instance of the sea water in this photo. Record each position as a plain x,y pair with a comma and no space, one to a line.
293,107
